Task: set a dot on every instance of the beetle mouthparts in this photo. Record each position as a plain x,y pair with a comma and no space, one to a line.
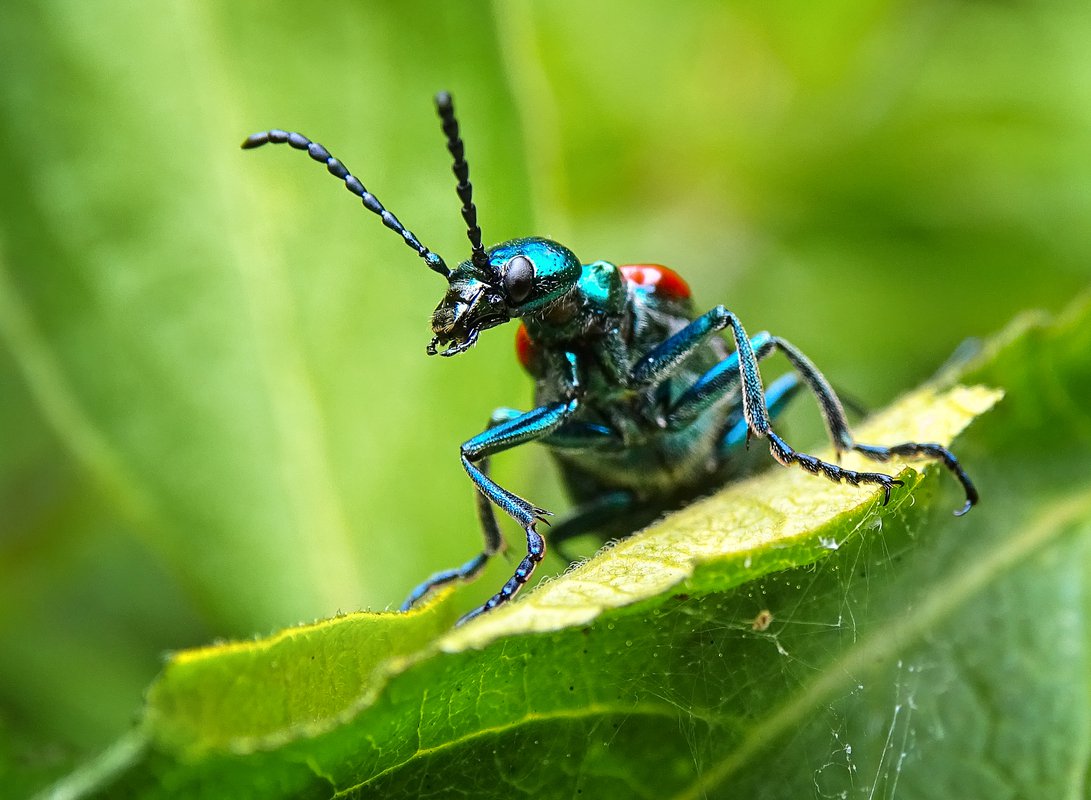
456,346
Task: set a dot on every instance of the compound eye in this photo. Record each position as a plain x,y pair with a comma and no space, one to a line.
518,278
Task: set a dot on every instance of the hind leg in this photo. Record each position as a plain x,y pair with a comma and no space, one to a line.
834,415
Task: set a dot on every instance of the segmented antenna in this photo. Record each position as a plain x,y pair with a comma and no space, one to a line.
352,183
461,170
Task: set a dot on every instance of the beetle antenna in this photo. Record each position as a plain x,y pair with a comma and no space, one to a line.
352,183
461,169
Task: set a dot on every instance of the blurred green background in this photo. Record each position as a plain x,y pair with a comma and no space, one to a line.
216,414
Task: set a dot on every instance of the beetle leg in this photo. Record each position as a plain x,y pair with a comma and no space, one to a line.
777,397
931,450
535,424
661,361
834,415
716,384
466,572
494,540
572,436
719,382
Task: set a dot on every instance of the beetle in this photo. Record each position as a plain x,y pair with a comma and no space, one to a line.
640,400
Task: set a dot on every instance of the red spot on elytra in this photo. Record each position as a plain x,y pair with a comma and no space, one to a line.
655,277
525,348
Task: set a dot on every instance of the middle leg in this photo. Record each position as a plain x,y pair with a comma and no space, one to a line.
494,540
738,374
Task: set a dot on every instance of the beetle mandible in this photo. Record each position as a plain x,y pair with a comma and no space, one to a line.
639,398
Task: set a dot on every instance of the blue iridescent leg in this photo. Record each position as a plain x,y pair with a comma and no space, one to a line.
717,384
466,572
535,424
780,393
668,356
494,540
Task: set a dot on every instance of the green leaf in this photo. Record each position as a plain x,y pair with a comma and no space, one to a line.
782,638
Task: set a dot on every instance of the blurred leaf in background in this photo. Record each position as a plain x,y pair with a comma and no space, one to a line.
216,416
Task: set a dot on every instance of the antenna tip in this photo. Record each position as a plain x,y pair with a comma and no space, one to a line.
443,100
255,140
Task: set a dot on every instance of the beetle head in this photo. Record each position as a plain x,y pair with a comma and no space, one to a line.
516,278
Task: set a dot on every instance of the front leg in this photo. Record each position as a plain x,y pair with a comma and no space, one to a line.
535,424
494,540
507,428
